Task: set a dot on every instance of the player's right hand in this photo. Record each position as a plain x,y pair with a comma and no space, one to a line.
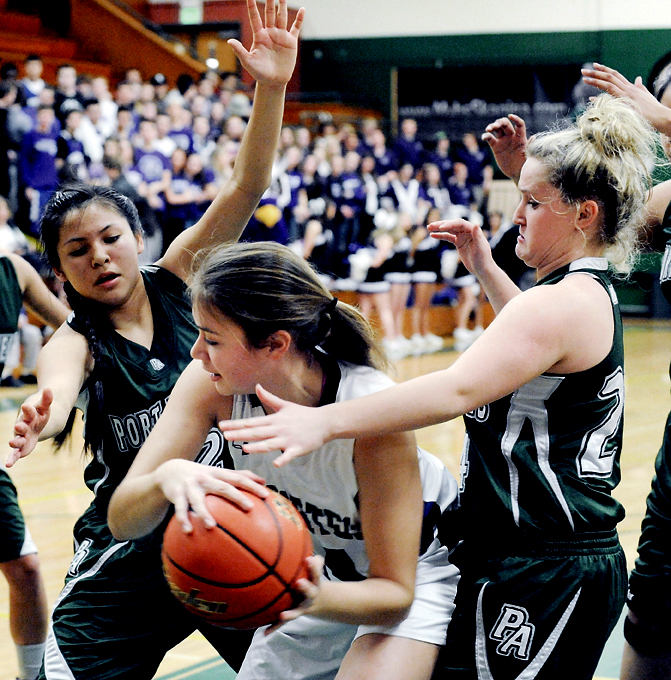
32,418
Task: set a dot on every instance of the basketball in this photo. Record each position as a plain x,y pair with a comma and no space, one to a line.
240,573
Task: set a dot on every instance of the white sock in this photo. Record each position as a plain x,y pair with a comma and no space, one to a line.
30,660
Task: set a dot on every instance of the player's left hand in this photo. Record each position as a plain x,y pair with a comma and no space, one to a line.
291,428
614,83
272,56
470,241
308,587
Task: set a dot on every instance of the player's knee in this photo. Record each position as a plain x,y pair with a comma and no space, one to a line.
23,572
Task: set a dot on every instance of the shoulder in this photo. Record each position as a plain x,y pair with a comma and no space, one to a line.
357,381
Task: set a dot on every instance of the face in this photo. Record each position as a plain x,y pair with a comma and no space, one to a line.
33,69
67,78
98,253
226,355
547,224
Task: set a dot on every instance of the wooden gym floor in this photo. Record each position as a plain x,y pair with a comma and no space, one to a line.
52,493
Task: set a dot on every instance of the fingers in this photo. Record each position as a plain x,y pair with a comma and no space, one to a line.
46,401
282,19
298,22
269,399
254,16
238,48
270,13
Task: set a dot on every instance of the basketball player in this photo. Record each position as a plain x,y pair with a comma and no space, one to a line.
19,284
377,611
647,628
127,343
542,394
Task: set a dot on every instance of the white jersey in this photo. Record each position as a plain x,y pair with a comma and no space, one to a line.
323,485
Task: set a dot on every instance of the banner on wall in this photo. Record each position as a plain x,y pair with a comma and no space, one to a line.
458,100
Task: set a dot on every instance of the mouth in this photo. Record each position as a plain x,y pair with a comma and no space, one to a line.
106,279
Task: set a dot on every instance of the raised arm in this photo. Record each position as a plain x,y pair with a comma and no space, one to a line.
270,60
476,254
507,138
163,472
562,328
36,295
62,367
613,82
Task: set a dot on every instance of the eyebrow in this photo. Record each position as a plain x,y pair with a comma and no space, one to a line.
78,239
205,329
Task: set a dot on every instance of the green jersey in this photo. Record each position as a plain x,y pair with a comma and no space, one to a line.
540,463
137,387
12,299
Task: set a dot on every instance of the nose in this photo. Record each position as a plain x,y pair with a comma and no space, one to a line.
197,350
518,214
99,256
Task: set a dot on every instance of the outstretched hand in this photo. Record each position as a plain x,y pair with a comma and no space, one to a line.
30,422
296,430
272,56
507,138
469,240
614,83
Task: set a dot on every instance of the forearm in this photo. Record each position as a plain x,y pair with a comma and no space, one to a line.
497,285
375,601
252,172
137,507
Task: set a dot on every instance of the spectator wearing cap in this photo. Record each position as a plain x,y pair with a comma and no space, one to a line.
37,164
161,89
32,84
66,97
441,157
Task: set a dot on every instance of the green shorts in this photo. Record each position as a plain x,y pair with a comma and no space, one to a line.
545,613
15,540
116,617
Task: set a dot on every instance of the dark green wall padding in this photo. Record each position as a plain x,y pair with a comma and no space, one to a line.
358,70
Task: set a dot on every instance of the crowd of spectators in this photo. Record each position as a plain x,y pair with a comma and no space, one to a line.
352,199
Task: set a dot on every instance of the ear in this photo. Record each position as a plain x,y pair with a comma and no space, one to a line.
588,215
140,243
278,344
60,275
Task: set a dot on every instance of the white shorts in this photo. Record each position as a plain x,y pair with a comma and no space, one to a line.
313,649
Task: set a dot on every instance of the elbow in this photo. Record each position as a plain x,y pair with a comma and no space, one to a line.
394,615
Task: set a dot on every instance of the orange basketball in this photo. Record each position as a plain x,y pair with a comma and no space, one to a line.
240,573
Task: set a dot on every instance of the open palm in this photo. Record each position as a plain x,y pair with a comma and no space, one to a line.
272,56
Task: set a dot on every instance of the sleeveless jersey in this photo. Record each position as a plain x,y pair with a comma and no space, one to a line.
665,270
139,383
323,485
540,463
12,299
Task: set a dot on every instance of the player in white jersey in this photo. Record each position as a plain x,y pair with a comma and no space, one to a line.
380,595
